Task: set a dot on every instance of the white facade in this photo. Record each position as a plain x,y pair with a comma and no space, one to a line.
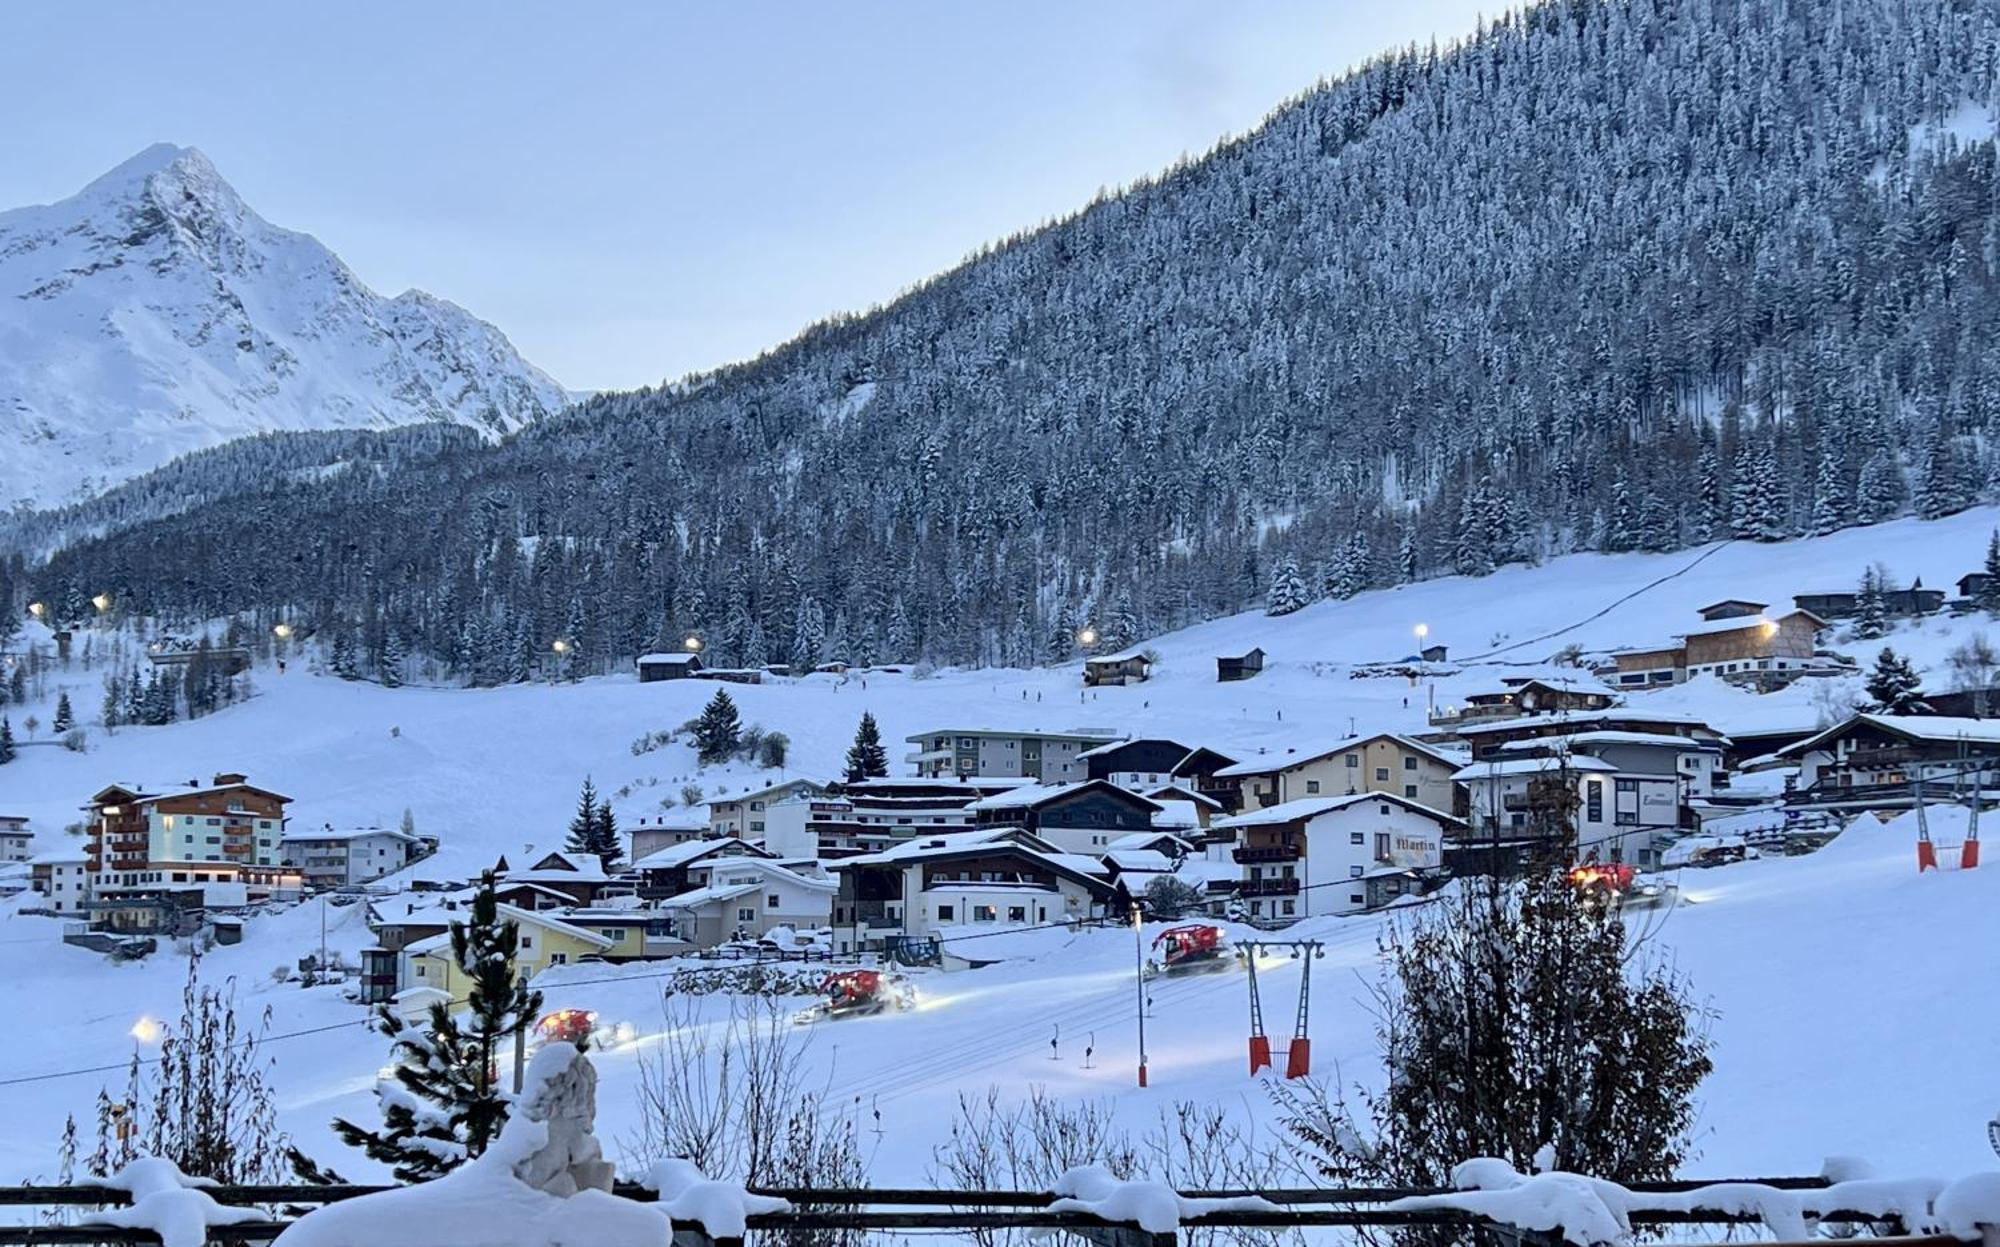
1346,854
1620,816
747,815
62,879
743,897
334,859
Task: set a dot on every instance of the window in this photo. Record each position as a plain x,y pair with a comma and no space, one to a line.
1353,760
527,941
1356,898
1410,790
1017,913
1312,787
944,913
1356,837
1382,844
1383,810
1593,796
1382,774
771,901
757,805
1628,785
746,915
1354,872
558,959
614,934
1287,906
1409,761
985,913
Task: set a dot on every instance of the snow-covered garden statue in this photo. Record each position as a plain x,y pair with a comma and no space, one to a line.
543,1183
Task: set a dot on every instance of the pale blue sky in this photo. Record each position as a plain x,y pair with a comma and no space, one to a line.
636,190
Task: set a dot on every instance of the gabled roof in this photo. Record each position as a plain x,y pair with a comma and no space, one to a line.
1313,807
331,835
1271,763
1174,792
1039,795
1582,719
710,895
1931,729
63,857
668,660
1744,623
1702,610
1661,740
1141,861
768,866
981,842
1531,766
789,785
1176,814
527,917
690,851
1147,840
1122,656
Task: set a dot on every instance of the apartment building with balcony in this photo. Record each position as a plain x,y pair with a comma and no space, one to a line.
1382,763
337,858
222,840
1334,855
1052,757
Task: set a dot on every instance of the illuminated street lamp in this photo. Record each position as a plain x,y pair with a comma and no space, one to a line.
37,609
283,632
102,602
146,1030
561,646
1086,636
692,645
1422,630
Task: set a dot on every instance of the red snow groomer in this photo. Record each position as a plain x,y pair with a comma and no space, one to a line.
1191,949
1614,883
859,993
567,1026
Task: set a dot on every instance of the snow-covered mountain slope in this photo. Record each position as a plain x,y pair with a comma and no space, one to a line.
153,313
1844,969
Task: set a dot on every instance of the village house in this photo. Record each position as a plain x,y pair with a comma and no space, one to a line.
158,858
332,858
1612,815
1876,761
1487,739
544,940
635,933
1742,649
1081,817
656,667
61,877
652,833
1971,587
1911,603
904,900
1384,762
555,881
743,815
1130,667
1730,608
1149,762
16,841
1178,802
1518,696
744,897
1229,669
1696,763
1335,855
1052,757
665,872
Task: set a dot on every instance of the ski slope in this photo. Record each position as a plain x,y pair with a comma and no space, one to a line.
1852,1000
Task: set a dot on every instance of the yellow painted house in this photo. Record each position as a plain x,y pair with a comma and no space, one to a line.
545,941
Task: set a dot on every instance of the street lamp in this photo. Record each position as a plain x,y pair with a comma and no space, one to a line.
146,1030
1139,944
102,602
1422,630
283,632
1086,636
692,645
37,609
561,646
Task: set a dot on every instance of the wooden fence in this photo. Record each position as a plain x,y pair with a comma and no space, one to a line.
898,1210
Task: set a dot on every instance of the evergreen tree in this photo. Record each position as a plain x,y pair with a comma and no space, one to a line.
582,836
343,660
446,1103
1894,687
1756,502
65,718
1871,613
604,841
392,659
717,730
1288,589
866,758
6,740
1989,593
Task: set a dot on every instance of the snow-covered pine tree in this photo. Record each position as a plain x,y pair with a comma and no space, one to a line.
583,826
1988,596
1829,499
604,842
1894,687
65,718
808,636
866,758
1871,613
1756,500
6,740
1288,589
717,730
393,657
444,1103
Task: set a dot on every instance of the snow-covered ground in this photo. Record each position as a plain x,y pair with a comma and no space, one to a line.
1854,1012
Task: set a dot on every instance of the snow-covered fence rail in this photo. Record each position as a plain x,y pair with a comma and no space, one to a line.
1108,1214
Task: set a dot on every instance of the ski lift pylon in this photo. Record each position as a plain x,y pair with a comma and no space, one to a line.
1298,1054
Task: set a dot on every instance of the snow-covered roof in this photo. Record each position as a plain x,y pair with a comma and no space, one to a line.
1042,794
667,660
683,818
789,785
63,857
769,867
710,895
1928,727
1530,766
1128,655
1313,807
921,847
1270,763
970,783
1658,739
1145,840
1744,622
1176,814
682,854
1174,792
1582,718
530,917
1144,861
1075,733
1105,748
331,835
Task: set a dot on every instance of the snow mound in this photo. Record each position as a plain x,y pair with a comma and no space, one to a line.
722,1209
167,1202
1970,1206
1154,1207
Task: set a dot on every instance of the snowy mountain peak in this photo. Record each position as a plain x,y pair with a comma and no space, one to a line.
155,313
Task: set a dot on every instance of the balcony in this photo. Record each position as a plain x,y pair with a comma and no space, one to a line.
1269,887
1257,853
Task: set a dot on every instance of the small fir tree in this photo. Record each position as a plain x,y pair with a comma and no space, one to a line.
582,836
6,741
1988,596
1894,687
718,730
866,758
1871,613
446,1103
1288,589
65,717
604,842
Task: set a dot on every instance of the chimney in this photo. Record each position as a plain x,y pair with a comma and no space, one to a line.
225,778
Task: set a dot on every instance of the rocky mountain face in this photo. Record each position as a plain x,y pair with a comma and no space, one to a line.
153,314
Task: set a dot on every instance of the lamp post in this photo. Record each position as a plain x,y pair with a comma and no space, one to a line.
37,609
1086,636
1139,977
102,602
693,644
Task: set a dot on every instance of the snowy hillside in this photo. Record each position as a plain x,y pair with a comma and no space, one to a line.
153,313
1843,969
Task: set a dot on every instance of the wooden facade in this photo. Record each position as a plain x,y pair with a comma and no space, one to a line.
1241,667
